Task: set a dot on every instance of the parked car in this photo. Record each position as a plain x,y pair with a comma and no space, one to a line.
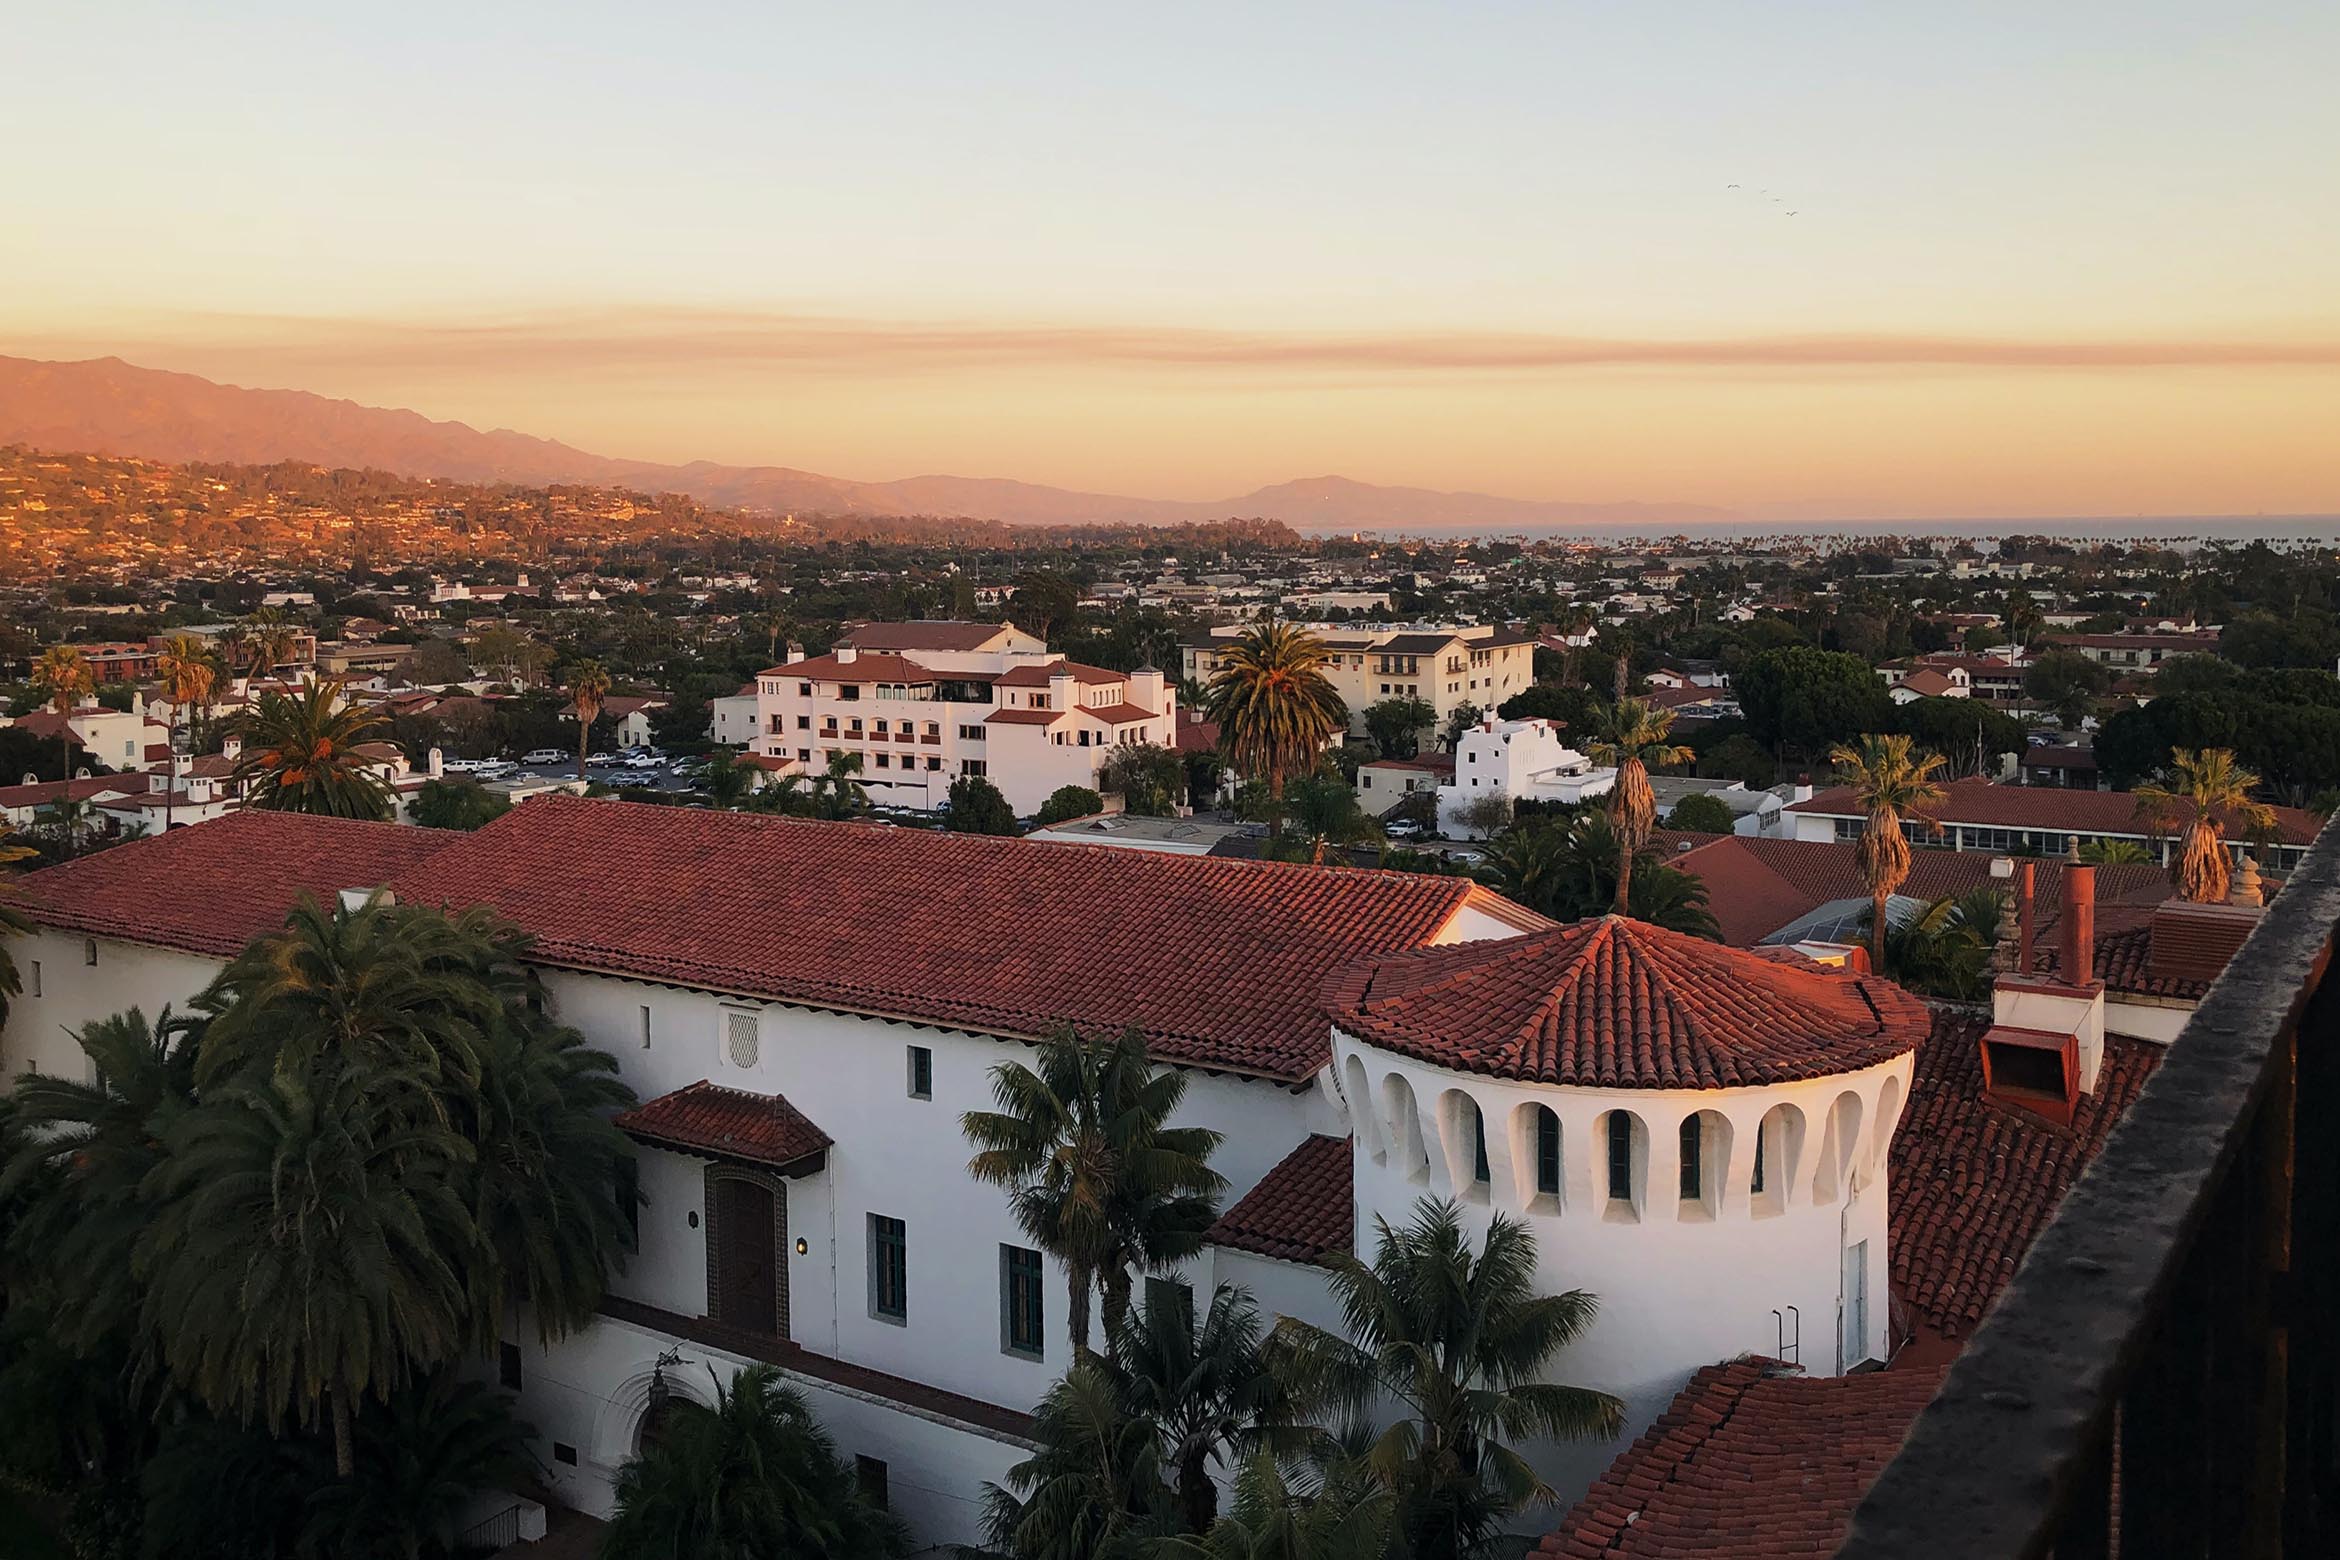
546,756
495,768
643,761
459,766
1465,858
599,759
1403,830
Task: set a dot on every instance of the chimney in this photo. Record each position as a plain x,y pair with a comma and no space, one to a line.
231,748
845,654
1145,688
795,653
2026,919
2079,925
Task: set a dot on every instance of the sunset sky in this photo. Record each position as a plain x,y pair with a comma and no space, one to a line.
2075,258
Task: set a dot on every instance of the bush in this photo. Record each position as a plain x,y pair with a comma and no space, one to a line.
1070,801
1703,813
976,807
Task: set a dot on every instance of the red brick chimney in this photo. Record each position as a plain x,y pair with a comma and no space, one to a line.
2079,925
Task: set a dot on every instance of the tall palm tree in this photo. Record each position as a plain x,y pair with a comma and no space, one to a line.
301,755
1894,786
420,1458
1633,735
838,792
307,1251
1460,1341
753,1476
188,676
588,684
63,674
1095,1175
1344,1516
1275,707
1093,1483
2205,793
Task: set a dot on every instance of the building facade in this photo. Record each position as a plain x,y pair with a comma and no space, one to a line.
1446,667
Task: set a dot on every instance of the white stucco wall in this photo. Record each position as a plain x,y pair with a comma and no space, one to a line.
74,992
1680,1285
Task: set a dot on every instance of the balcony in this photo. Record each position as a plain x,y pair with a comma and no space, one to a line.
2161,1377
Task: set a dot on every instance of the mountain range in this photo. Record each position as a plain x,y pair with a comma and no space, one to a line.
105,406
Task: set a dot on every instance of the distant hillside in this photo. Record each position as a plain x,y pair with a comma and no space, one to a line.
108,407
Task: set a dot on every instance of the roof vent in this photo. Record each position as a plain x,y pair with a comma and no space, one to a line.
2194,942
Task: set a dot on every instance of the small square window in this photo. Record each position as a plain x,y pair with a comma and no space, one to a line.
869,1477
564,1454
921,1073
508,1366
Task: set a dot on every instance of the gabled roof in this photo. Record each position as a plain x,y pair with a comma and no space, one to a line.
1752,1459
212,887
1300,1210
42,792
721,1123
932,634
1031,675
1617,1003
1217,961
1974,1181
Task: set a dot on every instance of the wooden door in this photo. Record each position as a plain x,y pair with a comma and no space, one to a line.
748,1266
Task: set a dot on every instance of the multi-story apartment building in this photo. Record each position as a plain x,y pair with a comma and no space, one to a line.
924,703
1480,665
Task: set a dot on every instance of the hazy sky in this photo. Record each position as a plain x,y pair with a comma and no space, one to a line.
2080,257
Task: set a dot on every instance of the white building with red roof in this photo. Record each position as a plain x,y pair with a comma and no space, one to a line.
922,704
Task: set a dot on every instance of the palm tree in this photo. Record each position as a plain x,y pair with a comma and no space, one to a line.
1895,787
1343,1517
839,793
1632,735
588,684
2206,792
1093,1481
1460,1342
270,643
420,1458
1945,949
1096,1176
188,676
84,1159
1275,707
307,1251
1207,1393
2115,853
301,755
63,674
752,1476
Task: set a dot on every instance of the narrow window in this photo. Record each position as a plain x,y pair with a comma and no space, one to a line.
889,1268
1479,1170
921,1073
36,977
89,951
1020,1302
869,1476
1756,1185
1693,1182
508,1366
629,1202
645,1026
1547,1152
1620,1156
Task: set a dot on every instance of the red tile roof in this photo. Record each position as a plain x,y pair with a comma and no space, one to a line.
1756,886
726,1124
1218,961
1750,1460
1030,675
1978,801
1300,1210
869,667
1973,1181
1195,734
1119,714
212,887
42,792
1618,1003
1024,717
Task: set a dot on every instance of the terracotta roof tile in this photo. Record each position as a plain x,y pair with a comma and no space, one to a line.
213,887
1039,676
1300,1210
1749,1461
1981,802
930,634
1973,1181
1217,961
871,666
1618,1003
725,1123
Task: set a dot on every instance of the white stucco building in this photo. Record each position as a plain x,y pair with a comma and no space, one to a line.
924,703
1446,666
1524,760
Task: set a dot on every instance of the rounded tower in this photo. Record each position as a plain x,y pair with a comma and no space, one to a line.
1695,1134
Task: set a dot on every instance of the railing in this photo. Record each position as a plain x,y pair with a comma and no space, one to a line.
2161,1377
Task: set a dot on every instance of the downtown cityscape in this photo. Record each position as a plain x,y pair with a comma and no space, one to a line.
1717,950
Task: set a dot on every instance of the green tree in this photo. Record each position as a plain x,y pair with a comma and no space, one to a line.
1094,1482
1738,757
1396,725
301,755
1969,733
727,779
1702,812
1318,813
420,1458
1095,1174
1633,734
1460,1342
1150,779
976,807
1805,701
1894,786
2067,683
1207,1391
2205,794
458,803
1067,802
1344,1516
63,675
753,1476
1459,722
1945,949
1275,706
187,676
588,683
838,791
